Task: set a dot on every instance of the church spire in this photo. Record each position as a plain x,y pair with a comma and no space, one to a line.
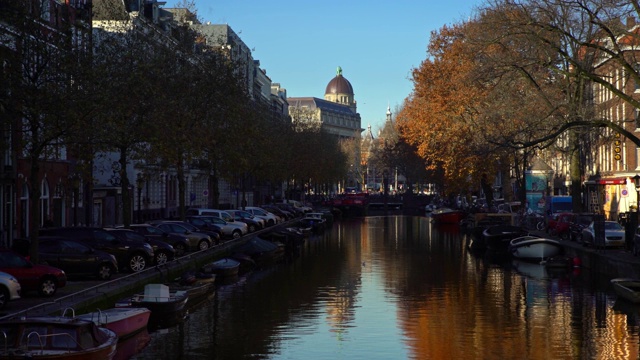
388,113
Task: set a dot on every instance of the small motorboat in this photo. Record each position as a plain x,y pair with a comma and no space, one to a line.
56,337
447,216
167,307
627,288
225,267
535,248
498,237
124,321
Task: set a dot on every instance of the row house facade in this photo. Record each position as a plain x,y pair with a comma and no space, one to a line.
614,159
67,196
56,26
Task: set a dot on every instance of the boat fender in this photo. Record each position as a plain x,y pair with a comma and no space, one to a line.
577,262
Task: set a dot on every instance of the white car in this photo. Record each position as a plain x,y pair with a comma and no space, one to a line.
269,218
614,235
9,289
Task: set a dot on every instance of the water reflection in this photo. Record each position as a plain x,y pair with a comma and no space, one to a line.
398,287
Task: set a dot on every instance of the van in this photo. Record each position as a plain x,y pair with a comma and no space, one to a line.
558,204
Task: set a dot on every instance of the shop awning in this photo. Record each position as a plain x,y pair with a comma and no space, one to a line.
612,181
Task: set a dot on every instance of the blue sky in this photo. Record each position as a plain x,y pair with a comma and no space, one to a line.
377,43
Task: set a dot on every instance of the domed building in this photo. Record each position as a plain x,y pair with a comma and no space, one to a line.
336,113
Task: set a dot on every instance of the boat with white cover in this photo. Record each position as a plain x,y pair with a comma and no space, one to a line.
534,247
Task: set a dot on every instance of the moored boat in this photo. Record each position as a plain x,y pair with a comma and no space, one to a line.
56,337
534,248
225,267
627,288
498,237
123,321
447,216
167,307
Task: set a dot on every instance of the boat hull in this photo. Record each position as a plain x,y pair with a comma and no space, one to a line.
91,342
497,238
125,322
535,248
224,267
628,289
447,216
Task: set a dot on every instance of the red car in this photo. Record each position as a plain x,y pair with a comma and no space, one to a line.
41,278
559,224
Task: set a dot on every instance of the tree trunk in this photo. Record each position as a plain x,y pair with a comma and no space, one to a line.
124,183
34,197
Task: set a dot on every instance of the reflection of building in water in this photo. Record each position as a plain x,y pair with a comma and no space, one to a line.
341,301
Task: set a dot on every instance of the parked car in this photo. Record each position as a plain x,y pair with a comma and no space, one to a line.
270,218
559,224
232,230
253,223
162,251
222,214
44,279
298,205
179,242
132,255
578,223
197,240
298,212
614,234
76,258
284,214
9,289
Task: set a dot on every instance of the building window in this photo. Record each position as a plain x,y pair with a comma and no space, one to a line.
45,10
44,202
636,117
636,68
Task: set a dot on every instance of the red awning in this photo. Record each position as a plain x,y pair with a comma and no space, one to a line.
612,181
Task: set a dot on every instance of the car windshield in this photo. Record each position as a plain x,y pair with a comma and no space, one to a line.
154,230
189,226
612,225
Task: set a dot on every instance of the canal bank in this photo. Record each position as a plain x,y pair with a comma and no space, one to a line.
611,263
85,295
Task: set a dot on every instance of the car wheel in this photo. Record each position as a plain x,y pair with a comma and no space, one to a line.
47,287
180,249
252,228
237,234
137,263
161,258
203,245
4,297
105,271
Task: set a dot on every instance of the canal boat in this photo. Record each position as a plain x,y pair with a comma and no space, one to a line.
627,288
225,267
498,237
125,322
447,216
530,247
167,307
56,337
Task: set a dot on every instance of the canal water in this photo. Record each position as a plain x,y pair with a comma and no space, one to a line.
400,288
